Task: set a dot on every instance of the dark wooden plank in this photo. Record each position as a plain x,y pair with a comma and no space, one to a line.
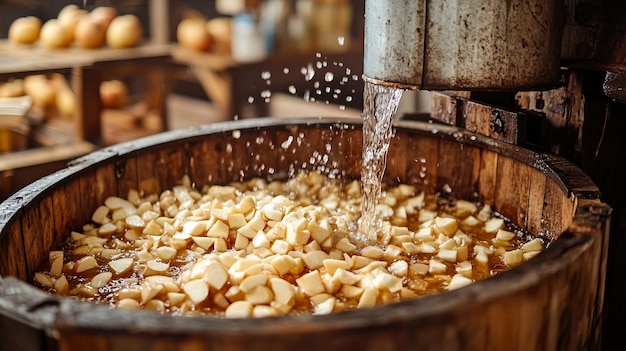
558,211
536,202
398,159
126,175
512,190
487,173
204,167
95,186
422,161
444,108
456,169
38,232
13,260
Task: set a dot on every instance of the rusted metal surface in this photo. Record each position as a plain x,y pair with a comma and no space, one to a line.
495,122
445,45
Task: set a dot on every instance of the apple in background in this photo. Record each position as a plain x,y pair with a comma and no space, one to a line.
53,35
192,34
90,34
104,15
113,94
41,91
12,88
66,102
68,17
220,29
65,99
25,30
125,31
67,10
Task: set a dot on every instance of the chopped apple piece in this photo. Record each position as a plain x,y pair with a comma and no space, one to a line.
197,291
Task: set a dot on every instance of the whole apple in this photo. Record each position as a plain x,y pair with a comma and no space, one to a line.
192,34
25,30
125,31
53,35
90,34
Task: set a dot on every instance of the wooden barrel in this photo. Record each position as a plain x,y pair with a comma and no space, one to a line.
552,302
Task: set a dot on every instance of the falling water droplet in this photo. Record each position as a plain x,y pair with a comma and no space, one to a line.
310,73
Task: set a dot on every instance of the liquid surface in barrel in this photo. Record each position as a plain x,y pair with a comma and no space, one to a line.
259,248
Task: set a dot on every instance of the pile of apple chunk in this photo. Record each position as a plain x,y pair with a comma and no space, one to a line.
258,249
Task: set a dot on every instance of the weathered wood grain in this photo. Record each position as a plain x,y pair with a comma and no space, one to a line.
552,302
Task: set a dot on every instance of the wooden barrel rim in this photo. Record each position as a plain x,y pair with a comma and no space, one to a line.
25,302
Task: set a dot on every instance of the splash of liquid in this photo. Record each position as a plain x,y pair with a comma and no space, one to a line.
380,106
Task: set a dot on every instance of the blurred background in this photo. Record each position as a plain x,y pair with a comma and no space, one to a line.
196,62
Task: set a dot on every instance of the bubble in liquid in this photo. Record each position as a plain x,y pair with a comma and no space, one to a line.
285,70
319,64
341,40
266,94
250,99
266,75
318,54
329,76
342,107
316,85
292,89
236,134
348,98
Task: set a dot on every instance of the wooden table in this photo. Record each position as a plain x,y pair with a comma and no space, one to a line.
236,86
